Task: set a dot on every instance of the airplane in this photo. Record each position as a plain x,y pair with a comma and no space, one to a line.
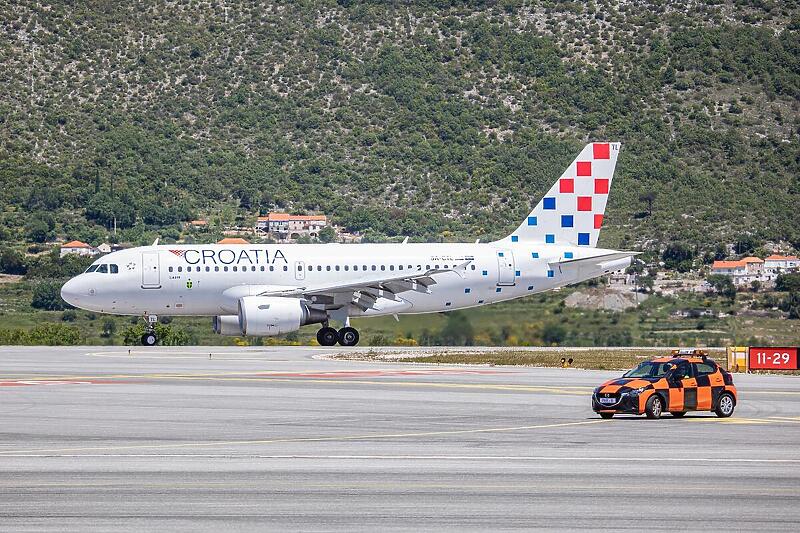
273,289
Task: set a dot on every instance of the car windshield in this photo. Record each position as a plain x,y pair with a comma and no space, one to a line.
649,369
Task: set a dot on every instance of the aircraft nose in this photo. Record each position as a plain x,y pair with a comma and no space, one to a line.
70,292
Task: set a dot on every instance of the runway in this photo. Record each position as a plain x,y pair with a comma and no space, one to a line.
95,438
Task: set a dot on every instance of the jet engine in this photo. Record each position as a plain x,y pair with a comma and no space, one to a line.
227,325
269,315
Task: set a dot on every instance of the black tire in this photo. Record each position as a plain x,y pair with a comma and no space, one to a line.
725,405
677,414
327,336
606,415
348,336
655,407
149,339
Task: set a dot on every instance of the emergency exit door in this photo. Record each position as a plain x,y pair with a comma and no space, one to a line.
151,275
506,273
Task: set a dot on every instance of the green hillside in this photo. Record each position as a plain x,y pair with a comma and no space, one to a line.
439,119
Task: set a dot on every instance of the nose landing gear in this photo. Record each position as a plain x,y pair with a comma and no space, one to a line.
328,336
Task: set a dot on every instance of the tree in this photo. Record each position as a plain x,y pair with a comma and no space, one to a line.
678,256
791,304
37,230
47,296
109,327
327,234
787,283
648,197
553,334
723,285
457,331
12,262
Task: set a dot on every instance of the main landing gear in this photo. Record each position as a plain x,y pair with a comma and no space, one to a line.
149,338
328,336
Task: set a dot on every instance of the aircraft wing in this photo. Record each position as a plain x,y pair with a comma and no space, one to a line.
365,293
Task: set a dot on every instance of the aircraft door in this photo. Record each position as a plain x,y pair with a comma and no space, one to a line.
151,275
299,270
506,272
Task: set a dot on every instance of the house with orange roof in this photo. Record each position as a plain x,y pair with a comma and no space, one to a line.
743,272
774,265
77,248
283,226
233,240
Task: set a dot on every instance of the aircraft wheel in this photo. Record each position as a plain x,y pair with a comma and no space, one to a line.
327,336
348,336
149,339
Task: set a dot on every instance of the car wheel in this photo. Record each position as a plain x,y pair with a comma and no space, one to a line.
677,414
606,415
725,405
654,407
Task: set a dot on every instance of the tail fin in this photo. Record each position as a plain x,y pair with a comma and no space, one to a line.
571,213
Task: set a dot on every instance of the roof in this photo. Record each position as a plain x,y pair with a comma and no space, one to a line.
233,240
198,222
75,244
736,264
280,217
774,257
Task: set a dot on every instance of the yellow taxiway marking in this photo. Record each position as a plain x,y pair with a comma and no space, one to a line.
304,439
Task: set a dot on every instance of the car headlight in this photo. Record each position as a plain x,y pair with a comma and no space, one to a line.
638,391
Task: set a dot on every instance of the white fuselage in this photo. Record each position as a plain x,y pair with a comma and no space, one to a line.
210,279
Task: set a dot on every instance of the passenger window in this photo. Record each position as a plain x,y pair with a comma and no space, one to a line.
703,369
285,268
337,268
310,268
347,267
355,267
216,269
391,267
373,267
262,268
383,267
319,268
364,268
252,268
225,268
114,269
208,269
427,267
400,267
473,267
170,269
103,269
235,268
328,268
272,268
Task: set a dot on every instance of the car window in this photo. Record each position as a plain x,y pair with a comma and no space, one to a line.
648,369
702,369
684,371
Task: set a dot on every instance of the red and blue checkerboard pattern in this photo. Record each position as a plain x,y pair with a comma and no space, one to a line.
571,213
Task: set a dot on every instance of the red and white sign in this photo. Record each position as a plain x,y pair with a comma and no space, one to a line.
761,358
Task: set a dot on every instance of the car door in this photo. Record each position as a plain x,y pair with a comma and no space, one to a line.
707,377
689,386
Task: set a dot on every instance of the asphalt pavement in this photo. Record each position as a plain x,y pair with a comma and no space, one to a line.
209,439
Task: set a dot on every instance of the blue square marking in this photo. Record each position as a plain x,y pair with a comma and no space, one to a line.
516,273
532,221
567,255
514,238
485,273
549,238
549,203
467,290
448,303
535,255
583,239
500,254
498,289
566,221
551,274
530,287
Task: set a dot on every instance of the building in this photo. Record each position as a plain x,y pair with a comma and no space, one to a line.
775,265
104,248
743,272
198,224
233,240
78,248
283,226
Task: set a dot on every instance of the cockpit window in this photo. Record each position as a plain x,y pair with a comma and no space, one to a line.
103,269
114,269
92,268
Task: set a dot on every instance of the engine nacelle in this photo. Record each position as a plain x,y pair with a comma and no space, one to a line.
227,325
269,315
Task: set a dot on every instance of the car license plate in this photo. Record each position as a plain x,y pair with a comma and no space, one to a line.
608,401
